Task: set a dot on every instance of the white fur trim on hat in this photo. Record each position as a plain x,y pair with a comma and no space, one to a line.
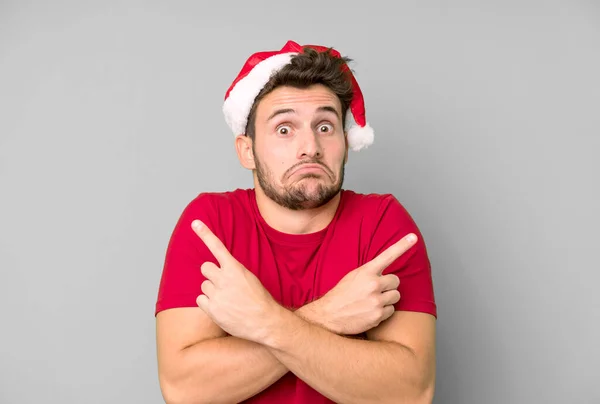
236,107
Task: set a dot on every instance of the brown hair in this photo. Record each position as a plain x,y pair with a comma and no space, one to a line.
305,69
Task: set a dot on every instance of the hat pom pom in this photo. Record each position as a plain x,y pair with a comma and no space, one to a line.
360,137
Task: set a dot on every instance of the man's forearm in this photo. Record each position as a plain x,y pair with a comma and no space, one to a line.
348,370
228,369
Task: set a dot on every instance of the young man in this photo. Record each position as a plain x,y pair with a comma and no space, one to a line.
296,291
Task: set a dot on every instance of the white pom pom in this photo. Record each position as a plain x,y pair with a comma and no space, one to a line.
360,137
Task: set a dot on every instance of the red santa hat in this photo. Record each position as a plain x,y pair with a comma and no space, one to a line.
257,71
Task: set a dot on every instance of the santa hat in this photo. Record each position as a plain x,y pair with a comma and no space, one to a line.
257,71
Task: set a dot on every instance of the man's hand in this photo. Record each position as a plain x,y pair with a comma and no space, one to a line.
364,297
238,303
233,296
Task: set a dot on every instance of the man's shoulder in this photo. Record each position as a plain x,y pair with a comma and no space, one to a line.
374,210
369,203
239,197
213,206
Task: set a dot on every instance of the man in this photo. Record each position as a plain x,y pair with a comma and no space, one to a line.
296,291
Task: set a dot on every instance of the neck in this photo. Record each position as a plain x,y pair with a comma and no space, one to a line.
295,221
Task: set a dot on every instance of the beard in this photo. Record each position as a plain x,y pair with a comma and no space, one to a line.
298,196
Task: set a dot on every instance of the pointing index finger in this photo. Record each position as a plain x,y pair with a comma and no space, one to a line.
215,246
393,252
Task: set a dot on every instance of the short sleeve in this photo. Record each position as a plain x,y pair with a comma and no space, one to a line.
181,279
413,267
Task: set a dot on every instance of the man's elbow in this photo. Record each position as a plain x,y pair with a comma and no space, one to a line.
172,392
425,384
426,392
175,392
420,397
420,392
426,397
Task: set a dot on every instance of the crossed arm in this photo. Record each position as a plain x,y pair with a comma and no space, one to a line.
240,341
396,364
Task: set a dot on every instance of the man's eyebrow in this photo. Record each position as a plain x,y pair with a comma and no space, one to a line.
325,108
329,108
279,112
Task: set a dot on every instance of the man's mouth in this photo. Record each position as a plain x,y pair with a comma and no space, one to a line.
308,168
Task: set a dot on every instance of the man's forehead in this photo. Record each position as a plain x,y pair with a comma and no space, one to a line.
295,100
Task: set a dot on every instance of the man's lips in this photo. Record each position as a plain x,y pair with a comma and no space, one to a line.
308,168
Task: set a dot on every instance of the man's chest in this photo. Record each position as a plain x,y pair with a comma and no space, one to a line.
297,274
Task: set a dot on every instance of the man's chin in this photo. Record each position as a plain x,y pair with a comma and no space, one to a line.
315,198
311,203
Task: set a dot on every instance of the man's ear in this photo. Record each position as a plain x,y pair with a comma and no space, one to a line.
243,146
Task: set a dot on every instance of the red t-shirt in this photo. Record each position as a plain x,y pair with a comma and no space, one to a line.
295,268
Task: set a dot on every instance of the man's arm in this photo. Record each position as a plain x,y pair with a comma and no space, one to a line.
199,363
397,366
236,301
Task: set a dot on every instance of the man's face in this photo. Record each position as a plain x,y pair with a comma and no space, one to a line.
300,147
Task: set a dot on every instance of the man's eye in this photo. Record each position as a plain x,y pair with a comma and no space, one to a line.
325,128
283,130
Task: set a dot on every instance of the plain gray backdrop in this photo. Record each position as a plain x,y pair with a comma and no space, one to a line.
487,120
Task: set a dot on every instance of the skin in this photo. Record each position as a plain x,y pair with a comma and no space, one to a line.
203,353
291,200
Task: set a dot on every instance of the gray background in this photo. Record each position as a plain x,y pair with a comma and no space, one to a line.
487,129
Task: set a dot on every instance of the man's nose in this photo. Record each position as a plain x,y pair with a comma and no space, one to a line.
310,145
